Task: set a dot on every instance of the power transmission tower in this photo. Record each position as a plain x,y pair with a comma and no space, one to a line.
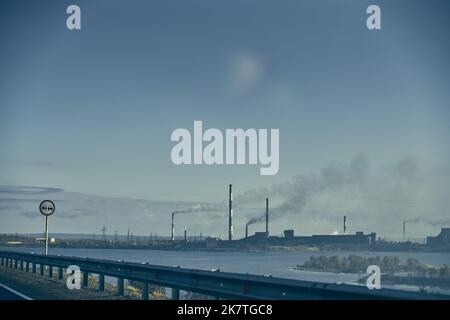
104,232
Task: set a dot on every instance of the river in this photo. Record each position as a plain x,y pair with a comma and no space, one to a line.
275,263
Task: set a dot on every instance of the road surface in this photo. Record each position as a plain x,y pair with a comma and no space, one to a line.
7,293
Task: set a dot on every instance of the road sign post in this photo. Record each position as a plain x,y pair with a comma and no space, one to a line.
46,208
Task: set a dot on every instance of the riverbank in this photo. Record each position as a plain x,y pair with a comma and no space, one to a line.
246,248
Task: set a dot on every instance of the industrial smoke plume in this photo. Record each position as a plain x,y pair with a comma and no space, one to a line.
296,193
433,222
194,208
398,182
201,208
391,189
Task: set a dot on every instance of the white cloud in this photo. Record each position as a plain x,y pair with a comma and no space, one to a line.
244,73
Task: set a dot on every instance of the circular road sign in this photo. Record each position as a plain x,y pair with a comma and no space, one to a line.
47,207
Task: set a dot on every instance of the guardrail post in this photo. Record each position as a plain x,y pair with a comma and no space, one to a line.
27,266
50,271
85,279
33,267
101,282
41,269
60,273
175,294
120,286
145,291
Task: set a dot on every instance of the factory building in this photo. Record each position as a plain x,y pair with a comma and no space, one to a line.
357,239
441,240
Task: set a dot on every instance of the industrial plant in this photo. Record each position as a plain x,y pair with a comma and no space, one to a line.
344,240
263,238
260,240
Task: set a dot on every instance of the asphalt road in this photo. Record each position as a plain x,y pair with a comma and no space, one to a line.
7,293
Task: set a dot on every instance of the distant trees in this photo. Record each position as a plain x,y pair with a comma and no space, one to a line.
388,264
428,271
351,263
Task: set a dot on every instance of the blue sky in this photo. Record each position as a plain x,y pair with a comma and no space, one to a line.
91,111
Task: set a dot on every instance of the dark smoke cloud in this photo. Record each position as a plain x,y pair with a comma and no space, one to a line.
202,207
432,222
406,169
295,194
251,196
401,191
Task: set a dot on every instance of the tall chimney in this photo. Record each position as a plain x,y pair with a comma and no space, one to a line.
267,217
185,235
230,213
246,230
345,225
173,227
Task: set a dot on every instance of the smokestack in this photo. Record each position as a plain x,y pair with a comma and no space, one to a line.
173,227
246,231
230,213
267,217
404,230
345,225
185,235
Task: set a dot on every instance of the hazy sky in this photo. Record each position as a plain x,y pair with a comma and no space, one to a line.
90,112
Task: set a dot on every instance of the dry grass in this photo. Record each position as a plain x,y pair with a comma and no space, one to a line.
45,288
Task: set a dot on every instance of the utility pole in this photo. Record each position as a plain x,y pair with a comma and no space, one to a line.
173,226
230,212
104,232
404,230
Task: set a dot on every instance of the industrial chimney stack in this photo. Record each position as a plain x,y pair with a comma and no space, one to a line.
267,217
230,213
345,225
246,231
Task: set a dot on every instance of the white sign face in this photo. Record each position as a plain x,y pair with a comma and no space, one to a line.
47,207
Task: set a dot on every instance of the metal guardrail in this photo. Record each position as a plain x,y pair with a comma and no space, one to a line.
217,284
